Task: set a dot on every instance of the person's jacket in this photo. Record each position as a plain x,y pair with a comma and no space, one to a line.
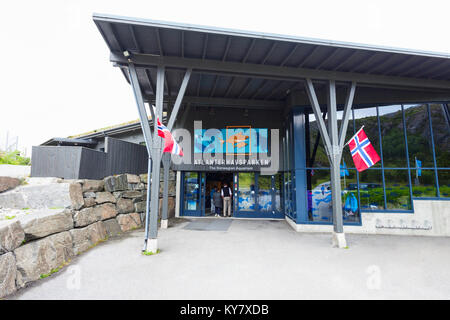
217,199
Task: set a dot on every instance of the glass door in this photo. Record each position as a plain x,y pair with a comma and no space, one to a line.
259,196
246,195
193,185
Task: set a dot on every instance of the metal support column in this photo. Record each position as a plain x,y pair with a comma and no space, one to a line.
333,141
147,137
167,158
164,217
335,159
156,165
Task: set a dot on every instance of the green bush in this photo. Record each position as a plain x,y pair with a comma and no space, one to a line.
14,158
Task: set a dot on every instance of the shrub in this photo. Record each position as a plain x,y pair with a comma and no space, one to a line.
14,158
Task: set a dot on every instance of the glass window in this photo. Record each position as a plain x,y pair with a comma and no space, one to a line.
319,196
441,135
191,191
419,137
397,190
368,118
278,182
318,154
346,155
423,183
393,137
264,193
444,183
350,202
246,191
289,194
371,190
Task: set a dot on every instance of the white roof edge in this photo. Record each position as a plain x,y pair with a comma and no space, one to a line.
261,35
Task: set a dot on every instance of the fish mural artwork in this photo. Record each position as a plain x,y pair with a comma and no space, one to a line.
242,140
238,140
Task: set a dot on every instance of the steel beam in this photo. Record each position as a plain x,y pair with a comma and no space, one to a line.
317,113
176,107
146,131
334,157
231,102
346,115
287,73
156,163
332,142
166,166
167,157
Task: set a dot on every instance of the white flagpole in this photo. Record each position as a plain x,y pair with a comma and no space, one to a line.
353,136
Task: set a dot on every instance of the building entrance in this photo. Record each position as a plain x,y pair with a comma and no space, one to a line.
215,181
254,195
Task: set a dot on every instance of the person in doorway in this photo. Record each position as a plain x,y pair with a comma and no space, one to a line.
217,199
213,190
226,196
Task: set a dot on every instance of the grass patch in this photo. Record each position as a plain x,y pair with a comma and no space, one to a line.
93,245
26,208
54,208
150,253
9,217
54,270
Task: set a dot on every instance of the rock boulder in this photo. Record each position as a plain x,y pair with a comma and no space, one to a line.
124,205
105,196
11,236
84,238
42,256
7,274
93,185
129,221
44,223
76,196
8,183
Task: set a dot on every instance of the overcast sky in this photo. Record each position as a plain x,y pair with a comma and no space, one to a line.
56,79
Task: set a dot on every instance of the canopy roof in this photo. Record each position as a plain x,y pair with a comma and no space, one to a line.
242,65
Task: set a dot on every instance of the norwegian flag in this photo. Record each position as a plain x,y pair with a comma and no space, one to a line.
170,145
363,153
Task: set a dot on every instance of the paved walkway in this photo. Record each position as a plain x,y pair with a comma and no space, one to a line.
254,260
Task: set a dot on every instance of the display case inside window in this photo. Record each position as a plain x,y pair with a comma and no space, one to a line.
319,196
350,203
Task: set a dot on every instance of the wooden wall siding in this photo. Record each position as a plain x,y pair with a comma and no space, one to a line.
83,163
125,157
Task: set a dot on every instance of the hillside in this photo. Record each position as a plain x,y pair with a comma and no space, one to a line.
419,140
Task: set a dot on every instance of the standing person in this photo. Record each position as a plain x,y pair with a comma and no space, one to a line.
213,190
226,196
217,198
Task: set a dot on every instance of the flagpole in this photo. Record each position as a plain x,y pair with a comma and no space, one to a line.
354,136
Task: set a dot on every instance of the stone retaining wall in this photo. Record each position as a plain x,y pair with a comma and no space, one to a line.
41,244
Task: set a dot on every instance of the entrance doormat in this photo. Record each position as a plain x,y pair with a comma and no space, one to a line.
209,225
